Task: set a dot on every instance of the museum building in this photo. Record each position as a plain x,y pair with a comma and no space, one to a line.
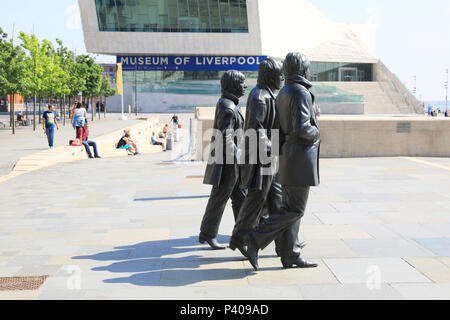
174,52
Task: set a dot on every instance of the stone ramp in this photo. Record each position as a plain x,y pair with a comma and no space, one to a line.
106,144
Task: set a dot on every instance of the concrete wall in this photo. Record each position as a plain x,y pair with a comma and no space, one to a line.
342,108
385,137
362,136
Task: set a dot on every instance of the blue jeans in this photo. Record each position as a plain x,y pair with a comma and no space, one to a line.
92,144
50,132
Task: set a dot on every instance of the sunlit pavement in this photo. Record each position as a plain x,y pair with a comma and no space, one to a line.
127,228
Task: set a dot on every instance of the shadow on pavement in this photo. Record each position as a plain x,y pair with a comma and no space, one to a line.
153,265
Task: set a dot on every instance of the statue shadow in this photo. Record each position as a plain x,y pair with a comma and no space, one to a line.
170,263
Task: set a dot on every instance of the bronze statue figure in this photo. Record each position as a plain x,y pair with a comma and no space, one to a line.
299,165
223,171
256,176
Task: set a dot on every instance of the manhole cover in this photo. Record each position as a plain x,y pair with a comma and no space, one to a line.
21,283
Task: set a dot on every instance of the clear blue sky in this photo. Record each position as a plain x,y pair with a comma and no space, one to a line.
413,37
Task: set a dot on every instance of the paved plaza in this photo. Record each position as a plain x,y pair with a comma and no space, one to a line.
127,228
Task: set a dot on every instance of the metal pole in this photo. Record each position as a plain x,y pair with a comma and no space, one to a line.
12,113
135,90
446,94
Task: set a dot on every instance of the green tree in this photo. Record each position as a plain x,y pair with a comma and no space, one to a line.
12,69
34,72
72,83
92,74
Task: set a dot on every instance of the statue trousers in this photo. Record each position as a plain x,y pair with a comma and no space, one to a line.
284,224
229,188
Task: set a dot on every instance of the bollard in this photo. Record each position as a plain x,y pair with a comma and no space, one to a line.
177,135
169,142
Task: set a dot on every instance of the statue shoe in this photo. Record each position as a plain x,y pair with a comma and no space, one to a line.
301,245
211,241
242,248
252,253
297,262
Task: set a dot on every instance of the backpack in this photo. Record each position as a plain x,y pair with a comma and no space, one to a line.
121,143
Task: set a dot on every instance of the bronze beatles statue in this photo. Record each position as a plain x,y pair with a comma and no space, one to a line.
223,171
267,206
299,165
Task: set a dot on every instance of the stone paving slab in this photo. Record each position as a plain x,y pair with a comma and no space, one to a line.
349,292
432,268
362,270
133,234
253,293
272,273
416,291
439,246
386,248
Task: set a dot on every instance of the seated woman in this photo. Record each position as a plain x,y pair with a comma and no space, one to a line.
130,145
163,134
21,118
155,142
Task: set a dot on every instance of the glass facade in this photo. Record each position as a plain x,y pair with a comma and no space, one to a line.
332,94
219,16
180,82
178,91
333,71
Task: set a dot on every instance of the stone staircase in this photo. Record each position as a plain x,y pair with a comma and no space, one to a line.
380,97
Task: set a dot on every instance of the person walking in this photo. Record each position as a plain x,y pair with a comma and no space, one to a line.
49,122
222,171
79,116
175,120
299,165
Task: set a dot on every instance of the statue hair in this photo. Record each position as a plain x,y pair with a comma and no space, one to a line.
296,64
269,73
231,81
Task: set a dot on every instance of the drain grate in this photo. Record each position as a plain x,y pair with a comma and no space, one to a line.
22,283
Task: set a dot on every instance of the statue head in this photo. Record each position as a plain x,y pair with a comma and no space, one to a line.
234,82
270,74
296,64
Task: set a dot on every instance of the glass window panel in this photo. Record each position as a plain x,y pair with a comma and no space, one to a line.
329,71
235,16
193,8
214,15
243,15
172,15
204,16
225,15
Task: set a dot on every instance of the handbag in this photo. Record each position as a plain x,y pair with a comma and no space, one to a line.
76,143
